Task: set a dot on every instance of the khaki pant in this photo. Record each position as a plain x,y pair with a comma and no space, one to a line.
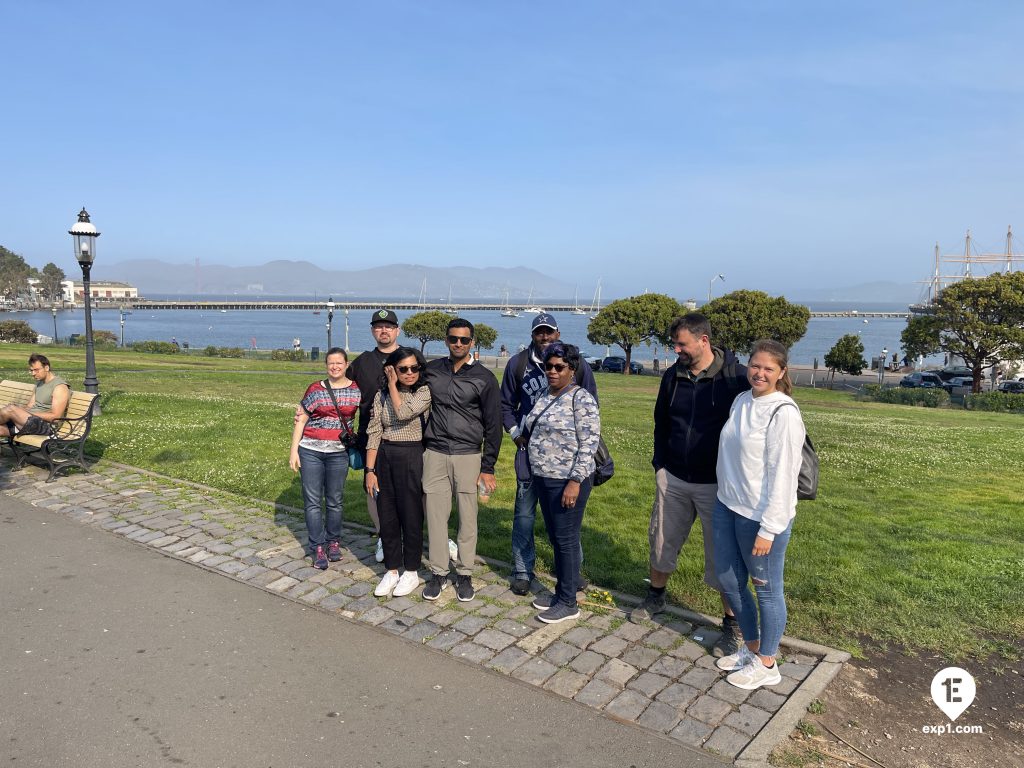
443,477
677,504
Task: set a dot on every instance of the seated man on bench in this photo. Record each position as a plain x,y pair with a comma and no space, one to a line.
48,403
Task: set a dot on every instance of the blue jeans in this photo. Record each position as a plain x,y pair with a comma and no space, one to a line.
323,480
524,517
735,565
563,526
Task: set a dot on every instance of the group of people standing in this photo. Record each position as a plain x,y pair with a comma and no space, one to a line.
727,450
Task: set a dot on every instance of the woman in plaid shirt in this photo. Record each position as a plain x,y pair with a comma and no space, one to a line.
394,467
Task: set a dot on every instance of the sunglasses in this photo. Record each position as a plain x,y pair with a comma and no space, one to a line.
460,339
559,367
408,368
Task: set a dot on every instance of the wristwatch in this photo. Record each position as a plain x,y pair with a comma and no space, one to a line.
370,471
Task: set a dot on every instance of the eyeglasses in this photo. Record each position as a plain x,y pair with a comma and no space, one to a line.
559,367
408,369
460,339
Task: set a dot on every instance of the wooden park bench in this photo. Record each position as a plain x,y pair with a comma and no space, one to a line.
66,447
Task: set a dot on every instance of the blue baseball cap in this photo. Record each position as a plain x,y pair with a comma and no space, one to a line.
544,319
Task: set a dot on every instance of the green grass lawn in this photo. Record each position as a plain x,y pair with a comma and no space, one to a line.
916,537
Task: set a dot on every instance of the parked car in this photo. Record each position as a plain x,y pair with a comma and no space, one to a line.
1013,387
616,364
921,380
953,371
594,363
958,381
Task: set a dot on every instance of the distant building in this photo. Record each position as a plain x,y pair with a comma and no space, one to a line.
99,290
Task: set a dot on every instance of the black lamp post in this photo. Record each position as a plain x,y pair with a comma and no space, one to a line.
53,311
330,319
85,234
122,326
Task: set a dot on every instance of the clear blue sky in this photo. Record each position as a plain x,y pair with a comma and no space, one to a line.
789,145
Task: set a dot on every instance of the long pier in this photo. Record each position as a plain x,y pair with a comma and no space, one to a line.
341,306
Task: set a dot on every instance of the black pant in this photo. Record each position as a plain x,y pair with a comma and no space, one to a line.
400,504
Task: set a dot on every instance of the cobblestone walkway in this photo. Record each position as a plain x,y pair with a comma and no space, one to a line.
658,675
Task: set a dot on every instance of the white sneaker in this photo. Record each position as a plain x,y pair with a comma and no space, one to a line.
755,674
453,551
387,584
380,551
735,661
407,584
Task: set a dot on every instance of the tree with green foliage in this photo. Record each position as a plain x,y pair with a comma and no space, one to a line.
17,332
847,355
979,319
14,274
426,326
484,336
740,318
920,337
635,320
50,281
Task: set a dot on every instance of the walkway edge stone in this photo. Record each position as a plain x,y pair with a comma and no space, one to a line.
784,722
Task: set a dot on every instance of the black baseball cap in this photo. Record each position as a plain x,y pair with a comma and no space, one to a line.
383,316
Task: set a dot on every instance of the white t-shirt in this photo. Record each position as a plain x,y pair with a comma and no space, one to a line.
759,456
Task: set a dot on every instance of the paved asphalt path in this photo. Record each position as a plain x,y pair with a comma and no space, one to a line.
112,654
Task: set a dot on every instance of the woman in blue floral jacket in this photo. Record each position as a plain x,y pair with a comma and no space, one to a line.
564,429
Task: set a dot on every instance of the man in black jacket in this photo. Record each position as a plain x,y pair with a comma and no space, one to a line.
465,414
693,405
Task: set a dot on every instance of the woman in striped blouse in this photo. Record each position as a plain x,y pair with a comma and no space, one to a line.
320,456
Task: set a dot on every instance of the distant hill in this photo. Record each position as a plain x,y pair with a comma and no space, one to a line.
300,278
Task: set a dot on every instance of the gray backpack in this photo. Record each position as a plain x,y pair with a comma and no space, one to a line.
807,481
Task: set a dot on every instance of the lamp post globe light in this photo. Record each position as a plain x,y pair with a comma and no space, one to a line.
53,311
84,234
881,365
330,319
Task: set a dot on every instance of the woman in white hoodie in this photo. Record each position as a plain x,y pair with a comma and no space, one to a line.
759,457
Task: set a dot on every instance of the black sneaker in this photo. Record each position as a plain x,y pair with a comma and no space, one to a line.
320,559
334,552
434,586
520,586
559,612
730,641
464,588
652,604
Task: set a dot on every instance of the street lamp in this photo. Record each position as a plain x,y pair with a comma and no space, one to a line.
881,365
53,311
84,234
330,319
710,284
346,330
122,326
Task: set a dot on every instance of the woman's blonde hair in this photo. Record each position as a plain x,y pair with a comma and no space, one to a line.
781,356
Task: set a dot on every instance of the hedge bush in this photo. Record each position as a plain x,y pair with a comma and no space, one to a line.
294,355
927,397
155,347
1001,402
212,351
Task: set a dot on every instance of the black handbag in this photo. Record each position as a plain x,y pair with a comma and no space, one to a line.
604,466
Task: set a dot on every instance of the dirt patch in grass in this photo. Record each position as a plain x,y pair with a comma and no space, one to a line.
879,705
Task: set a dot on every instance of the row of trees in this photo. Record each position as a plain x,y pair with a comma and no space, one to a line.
15,273
737,319
433,326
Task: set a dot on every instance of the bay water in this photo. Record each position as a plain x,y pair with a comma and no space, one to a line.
277,329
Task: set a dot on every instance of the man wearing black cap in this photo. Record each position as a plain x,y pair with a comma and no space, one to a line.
367,370
523,383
